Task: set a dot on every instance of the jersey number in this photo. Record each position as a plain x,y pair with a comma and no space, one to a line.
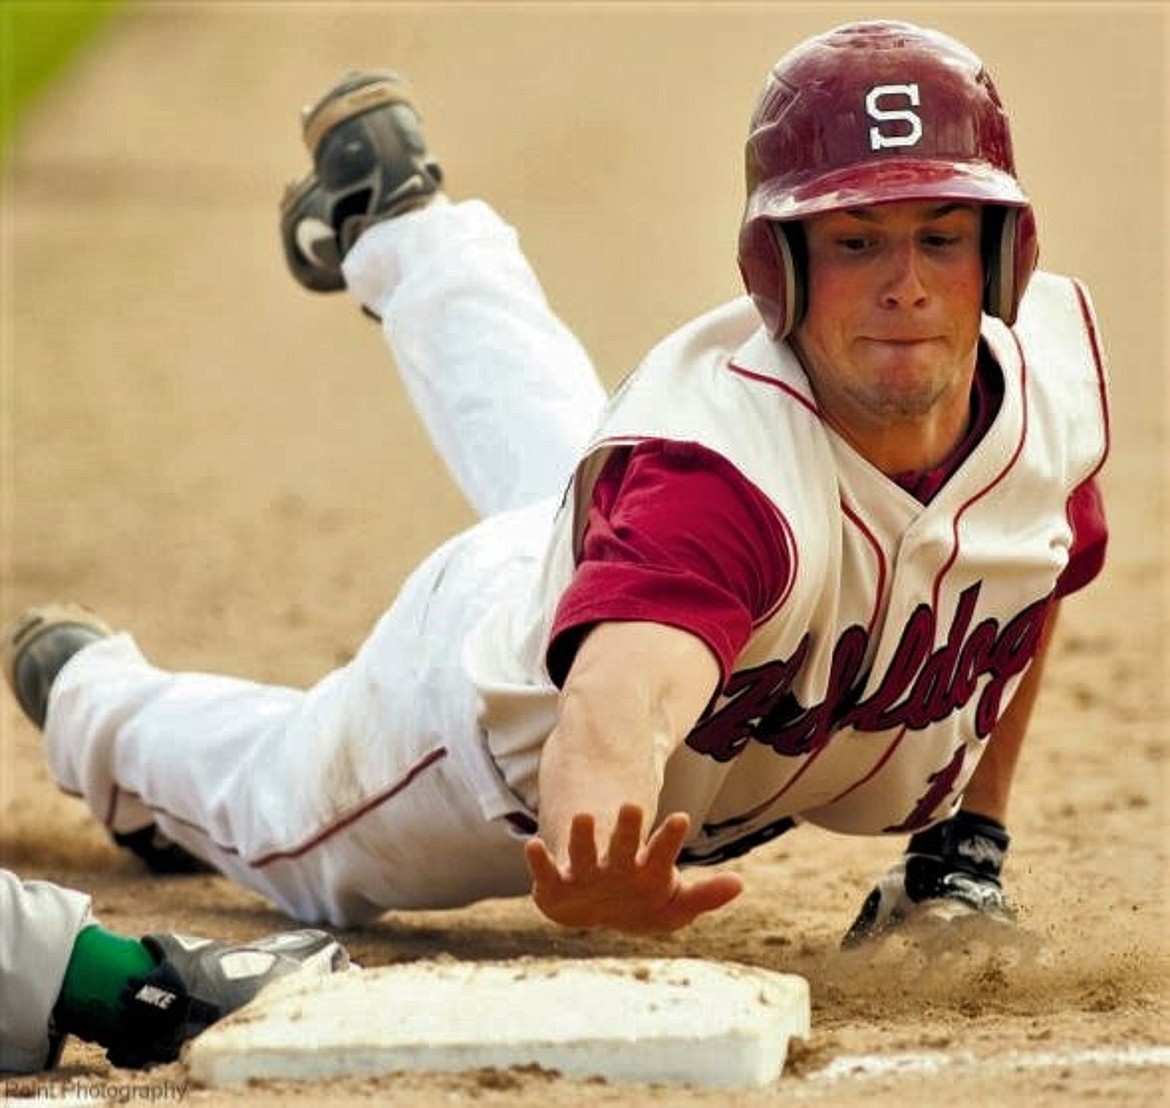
901,117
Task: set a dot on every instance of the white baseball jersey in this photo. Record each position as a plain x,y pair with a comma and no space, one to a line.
864,701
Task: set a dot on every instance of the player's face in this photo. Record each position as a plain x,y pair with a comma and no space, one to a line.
891,331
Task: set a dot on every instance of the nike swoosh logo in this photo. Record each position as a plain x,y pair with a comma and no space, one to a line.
413,183
309,233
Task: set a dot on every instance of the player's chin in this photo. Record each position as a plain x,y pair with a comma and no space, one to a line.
899,401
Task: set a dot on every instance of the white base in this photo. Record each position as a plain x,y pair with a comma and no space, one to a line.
646,1020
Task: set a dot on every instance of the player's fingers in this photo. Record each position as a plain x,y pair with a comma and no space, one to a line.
663,846
582,845
715,891
625,840
542,866
692,901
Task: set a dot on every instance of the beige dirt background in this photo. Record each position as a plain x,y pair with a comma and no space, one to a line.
227,465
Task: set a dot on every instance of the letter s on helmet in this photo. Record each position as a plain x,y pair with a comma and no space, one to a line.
866,114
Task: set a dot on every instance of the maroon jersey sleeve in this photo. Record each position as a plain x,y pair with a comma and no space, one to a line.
1086,514
675,535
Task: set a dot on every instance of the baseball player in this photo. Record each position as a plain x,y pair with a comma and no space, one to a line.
62,974
803,567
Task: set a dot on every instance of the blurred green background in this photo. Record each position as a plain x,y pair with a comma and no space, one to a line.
37,40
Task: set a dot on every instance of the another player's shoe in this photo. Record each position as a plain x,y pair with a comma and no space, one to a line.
198,981
35,648
370,163
950,871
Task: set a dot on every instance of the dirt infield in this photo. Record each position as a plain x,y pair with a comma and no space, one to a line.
227,465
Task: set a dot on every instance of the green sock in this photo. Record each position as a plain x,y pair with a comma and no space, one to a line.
101,965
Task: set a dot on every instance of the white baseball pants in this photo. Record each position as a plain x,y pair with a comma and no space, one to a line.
374,789
38,925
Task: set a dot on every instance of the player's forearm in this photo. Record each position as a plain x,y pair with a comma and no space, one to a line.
596,765
633,694
989,789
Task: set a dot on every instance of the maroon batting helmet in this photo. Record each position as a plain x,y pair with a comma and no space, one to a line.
866,114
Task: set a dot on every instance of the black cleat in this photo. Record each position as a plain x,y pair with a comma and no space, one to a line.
370,163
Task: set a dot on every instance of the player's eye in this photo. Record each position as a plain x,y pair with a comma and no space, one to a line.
853,244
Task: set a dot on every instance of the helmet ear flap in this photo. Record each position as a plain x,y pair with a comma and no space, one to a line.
790,253
1009,257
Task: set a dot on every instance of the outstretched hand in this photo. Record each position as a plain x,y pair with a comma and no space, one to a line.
632,887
